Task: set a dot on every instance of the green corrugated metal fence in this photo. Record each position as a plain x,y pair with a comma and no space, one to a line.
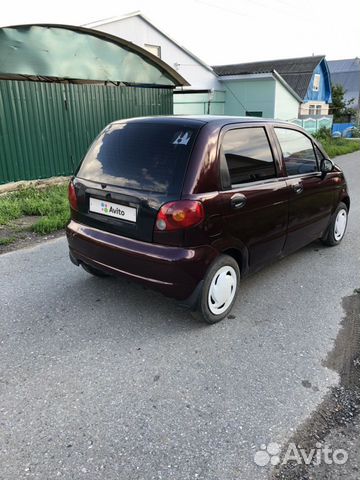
46,128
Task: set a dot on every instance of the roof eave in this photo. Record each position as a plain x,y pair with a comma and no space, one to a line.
106,21
245,76
287,86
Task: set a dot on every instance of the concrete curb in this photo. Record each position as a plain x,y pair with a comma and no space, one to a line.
14,186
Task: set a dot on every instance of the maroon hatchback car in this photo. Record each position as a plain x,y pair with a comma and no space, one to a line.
189,205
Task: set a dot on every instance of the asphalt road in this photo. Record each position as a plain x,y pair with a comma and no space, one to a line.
100,378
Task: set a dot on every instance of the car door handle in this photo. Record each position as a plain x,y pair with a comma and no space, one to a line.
238,200
298,187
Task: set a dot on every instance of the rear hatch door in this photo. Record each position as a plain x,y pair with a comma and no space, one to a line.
131,169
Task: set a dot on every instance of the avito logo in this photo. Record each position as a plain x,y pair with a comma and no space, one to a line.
110,209
323,453
104,207
116,211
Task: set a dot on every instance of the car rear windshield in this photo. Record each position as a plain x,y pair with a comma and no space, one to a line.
141,156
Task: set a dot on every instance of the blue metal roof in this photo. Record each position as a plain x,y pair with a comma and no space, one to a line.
347,73
348,65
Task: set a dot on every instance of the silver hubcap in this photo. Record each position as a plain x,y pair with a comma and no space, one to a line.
340,224
222,290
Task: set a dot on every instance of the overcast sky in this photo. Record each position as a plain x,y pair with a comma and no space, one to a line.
221,31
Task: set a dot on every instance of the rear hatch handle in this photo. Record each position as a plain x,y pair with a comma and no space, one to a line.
238,201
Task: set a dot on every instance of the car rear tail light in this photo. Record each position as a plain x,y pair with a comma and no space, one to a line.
179,215
72,196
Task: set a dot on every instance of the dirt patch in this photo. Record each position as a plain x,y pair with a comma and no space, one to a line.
345,357
18,234
25,222
16,230
18,227
337,415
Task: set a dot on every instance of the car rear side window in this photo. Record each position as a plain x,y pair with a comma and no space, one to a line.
248,155
141,156
298,151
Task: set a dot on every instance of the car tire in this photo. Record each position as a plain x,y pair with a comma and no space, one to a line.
337,227
219,290
94,271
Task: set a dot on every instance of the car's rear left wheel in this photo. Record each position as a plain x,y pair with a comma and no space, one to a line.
220,287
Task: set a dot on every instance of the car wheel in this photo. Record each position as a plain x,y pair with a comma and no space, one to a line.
94,271
219,290
337,228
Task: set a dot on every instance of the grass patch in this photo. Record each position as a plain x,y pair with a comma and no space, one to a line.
7,241
50,203
336,146
51,223
340,146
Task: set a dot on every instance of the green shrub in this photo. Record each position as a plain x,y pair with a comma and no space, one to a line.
323,134
356,132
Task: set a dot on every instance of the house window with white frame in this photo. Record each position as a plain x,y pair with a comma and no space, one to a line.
316,83
312,110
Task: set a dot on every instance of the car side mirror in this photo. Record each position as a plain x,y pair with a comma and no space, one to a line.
326,166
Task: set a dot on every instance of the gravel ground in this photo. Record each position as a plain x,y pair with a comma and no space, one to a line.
347,438
102,379
335,422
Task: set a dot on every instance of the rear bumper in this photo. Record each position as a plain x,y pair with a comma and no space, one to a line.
174,271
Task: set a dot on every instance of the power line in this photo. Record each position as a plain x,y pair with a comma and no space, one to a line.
227,86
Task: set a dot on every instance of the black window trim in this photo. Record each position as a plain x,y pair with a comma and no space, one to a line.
224,171
247,185
317,151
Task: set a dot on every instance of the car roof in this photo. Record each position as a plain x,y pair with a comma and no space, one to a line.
202,119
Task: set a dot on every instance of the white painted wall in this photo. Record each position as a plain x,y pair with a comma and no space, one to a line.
286,105
137,30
